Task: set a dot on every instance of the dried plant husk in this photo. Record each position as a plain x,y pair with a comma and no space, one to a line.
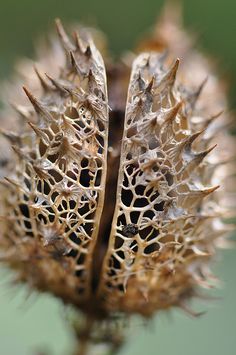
116,206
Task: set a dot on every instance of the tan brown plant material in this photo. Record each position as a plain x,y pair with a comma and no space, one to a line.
112,206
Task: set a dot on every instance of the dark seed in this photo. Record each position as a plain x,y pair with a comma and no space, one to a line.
130,230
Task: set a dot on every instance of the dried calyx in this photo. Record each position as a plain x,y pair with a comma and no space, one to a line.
125,218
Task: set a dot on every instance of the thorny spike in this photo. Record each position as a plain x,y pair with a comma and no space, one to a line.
194,97
147,64
197,159
37,105
20,153
92,82
150,85
11,181
199,252
40,172
201,193
170,77
12,137
173,12
201,86
88,51
67,44
187,143
214,117
189,311
78,41
75,65
21,110
170,115
90,75
15,184
206,191
39,132
45,85
57,85
202,155
141,82
210,190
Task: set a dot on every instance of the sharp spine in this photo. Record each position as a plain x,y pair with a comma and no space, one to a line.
37,105
67,44
45,85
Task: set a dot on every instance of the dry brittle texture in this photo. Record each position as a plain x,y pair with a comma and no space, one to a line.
166,224
175,153
54,195
64,227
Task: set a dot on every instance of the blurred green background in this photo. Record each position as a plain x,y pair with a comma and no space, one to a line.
37,323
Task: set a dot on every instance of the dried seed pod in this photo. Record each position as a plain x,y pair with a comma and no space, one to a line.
59,179
110,223
161,191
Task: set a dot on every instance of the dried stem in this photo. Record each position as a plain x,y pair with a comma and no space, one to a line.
92,333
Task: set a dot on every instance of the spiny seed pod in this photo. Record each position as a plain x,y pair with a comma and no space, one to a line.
111,223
